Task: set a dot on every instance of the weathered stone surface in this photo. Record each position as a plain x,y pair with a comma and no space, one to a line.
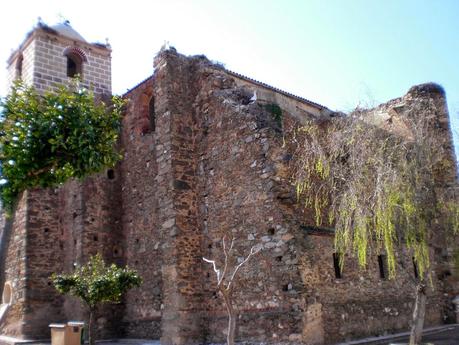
201,162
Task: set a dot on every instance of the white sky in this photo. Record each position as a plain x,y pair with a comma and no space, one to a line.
337,53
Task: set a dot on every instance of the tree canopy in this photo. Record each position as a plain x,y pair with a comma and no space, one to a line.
95,282
47,139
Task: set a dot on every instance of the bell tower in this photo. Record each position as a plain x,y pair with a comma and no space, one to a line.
50,55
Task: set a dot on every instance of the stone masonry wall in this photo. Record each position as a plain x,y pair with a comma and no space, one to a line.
140,213
14,269
28,66
51,64
236,170
44,256
178,133
202,161
45,65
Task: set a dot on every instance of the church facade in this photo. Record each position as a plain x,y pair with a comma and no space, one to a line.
202,159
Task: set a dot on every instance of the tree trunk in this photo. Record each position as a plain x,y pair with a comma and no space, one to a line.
91,327
231,318
418,314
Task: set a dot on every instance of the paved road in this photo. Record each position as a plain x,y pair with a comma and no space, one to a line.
446,337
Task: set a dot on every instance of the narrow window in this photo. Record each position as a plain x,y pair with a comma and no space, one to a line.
336,265
382,266
110,174
19,67
151,114
415,268
74,66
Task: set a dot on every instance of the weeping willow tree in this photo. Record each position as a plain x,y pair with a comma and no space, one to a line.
378,186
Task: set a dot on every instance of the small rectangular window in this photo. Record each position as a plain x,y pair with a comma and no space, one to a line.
382,266
336,265
415,268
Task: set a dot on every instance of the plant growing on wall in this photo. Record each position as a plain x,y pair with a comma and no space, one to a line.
47,139
378,188
226,282
96,283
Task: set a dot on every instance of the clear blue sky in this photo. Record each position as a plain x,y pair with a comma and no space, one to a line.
335,52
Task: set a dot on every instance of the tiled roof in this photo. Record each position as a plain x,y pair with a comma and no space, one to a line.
259,83
285,93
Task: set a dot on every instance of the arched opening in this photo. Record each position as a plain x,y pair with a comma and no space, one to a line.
75,58
19,61
151,114
7,296
74,66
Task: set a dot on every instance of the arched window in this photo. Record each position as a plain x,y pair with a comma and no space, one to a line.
19,61
74,66
151,114
75,58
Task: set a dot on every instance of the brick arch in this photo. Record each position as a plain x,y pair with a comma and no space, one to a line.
75,51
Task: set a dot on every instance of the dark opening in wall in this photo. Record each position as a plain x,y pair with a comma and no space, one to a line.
46,230
110,174
285,287
279,258
19,67
95,238
151,114
382,266
336,266
271,231
415,268
74,66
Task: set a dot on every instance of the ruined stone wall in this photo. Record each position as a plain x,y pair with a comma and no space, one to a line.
202,161
240,149
361,303
177,155
140,215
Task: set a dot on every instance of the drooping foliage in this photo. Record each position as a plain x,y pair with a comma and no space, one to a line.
47,139
375,187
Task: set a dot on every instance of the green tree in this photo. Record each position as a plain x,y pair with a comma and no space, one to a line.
378,188
96,283
47,139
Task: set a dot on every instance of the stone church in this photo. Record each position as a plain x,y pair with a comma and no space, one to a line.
202,158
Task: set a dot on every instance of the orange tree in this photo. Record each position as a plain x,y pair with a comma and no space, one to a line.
47,139
96,283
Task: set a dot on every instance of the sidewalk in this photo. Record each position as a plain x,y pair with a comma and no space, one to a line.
441,335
